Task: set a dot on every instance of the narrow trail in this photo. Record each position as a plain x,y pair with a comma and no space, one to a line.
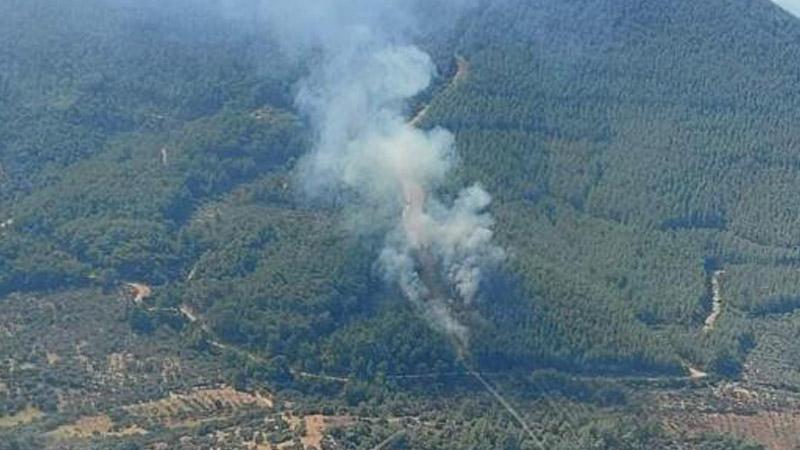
513,412
462,71
195,318
388,440
192,273
188,312
143,291
716,296
696,374
639,379
711,320
323,377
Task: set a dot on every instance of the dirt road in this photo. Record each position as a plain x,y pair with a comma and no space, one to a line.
462,71
716,297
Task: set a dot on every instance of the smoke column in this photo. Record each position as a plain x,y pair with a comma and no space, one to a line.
386,171
369,157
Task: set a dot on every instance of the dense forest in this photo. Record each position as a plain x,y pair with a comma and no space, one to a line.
634,148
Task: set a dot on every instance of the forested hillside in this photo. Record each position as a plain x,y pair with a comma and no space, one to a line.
635,150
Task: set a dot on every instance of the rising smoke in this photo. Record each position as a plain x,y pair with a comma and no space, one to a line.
368,153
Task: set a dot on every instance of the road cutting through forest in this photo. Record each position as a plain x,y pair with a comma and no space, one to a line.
462,71
385,443
507,406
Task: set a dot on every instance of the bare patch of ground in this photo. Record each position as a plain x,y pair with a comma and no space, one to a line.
208,399
749,412
140,291
90,426
118,363
315,428
696,374
26,416
775,430
53,358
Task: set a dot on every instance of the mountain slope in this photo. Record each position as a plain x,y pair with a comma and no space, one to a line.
634,149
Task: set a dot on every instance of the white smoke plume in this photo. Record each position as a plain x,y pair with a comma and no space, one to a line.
367,152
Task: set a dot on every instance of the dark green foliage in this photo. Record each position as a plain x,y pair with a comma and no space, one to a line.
27,263
140,321
615,175
622,155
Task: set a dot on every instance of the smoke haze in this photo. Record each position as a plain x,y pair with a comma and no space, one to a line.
368,154
793,6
